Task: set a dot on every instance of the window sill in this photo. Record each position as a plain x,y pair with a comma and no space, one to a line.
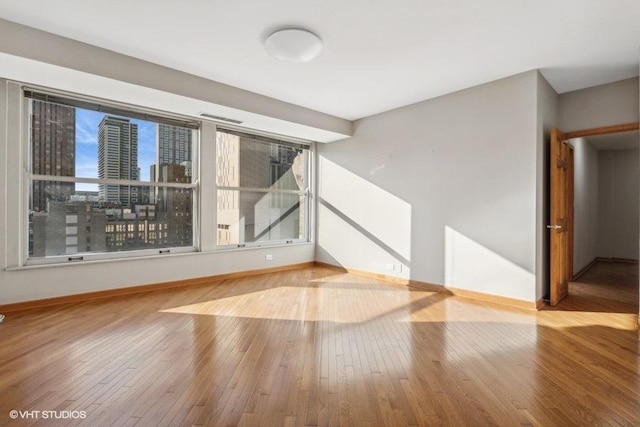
152,257
220,249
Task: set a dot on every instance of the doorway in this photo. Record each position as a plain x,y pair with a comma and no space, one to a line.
606,217
597,234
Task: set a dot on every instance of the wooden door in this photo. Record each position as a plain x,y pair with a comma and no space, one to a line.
561,227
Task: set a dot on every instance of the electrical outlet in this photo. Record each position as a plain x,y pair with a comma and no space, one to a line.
268,257
399,267
389,266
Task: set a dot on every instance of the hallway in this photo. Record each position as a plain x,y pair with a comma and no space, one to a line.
605,287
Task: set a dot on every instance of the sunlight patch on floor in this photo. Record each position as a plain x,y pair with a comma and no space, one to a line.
299,303
567,319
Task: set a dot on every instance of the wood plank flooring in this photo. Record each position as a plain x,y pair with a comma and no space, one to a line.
607,286
317,347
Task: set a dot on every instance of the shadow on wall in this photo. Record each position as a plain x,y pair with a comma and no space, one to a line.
373,234
470,265
457,233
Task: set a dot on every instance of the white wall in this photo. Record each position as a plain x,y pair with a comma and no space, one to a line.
599,106
447,187
618,204
586,204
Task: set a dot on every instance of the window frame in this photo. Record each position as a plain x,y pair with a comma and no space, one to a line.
114,108
308,192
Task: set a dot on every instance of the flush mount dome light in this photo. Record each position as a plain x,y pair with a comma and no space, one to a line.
293,45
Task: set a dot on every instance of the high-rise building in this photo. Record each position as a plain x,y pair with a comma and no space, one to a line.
68,228
173,164
173,145
118,159
175,205
53,146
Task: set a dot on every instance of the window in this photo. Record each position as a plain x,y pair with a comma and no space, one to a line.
103,165
262,190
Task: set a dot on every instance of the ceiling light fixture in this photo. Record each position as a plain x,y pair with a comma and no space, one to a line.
293,45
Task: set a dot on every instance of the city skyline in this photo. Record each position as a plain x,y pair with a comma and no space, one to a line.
87,123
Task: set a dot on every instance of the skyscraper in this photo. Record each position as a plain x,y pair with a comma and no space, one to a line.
175,205
173,145
118,159
53,145
173,164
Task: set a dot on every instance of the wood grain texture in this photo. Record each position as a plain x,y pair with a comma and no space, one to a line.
607,281
561,207
626,127
321,347
584,269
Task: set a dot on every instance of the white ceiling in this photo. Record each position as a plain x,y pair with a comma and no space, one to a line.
379,54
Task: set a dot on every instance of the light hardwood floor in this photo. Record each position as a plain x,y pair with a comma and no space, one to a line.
319,347
606,286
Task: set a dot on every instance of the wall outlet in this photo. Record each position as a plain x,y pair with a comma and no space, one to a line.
268,257
389,266
399,267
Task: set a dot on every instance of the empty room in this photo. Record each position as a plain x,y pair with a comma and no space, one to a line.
288,213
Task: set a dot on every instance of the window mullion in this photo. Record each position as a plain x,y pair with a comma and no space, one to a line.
127,182
264,190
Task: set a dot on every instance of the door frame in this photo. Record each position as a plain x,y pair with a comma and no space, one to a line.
564,137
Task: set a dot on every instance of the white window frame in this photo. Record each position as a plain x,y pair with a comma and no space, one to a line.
28,177
308,192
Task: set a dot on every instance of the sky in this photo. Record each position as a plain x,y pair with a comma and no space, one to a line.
87,122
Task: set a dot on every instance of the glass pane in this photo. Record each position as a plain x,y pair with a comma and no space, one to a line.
242,162
71,141
253,217
72,218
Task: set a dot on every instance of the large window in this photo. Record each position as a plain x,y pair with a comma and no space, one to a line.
262,190
104,179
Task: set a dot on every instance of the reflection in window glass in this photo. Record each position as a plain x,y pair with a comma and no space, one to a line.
262,189
259,217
